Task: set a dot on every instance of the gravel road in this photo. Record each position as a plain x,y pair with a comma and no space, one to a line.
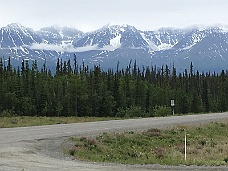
40,147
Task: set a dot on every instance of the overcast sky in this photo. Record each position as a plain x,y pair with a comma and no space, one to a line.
88,15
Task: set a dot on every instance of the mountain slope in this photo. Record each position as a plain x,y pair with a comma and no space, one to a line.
15,35
207,48
57,35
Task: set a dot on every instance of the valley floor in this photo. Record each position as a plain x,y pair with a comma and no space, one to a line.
38,148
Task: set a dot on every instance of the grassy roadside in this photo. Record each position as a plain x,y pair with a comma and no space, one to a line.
23,121
206,145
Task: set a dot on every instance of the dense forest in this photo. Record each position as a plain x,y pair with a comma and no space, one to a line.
77,90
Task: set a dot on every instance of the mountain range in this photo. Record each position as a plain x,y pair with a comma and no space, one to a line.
206,48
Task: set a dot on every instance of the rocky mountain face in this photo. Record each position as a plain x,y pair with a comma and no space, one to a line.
207,48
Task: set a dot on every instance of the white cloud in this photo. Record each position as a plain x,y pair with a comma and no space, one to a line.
86,48
109,48
43,46
59,48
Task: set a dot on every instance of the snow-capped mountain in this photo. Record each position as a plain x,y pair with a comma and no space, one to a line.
47,44
164,38
58,35
113,37
206,47
16,35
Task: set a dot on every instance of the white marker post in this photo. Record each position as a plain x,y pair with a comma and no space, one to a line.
185,145
172,106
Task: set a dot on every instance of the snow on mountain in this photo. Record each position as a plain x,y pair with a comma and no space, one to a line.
16,39
113,37
207,47
14,35
58,35
164,38
195,37
115,42
224,29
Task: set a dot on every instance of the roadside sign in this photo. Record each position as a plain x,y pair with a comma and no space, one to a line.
172,103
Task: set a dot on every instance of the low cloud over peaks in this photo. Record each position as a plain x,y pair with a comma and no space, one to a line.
68,48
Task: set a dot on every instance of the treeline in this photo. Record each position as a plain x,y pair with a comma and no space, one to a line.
77,90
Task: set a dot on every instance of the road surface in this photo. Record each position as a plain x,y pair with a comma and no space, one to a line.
21,148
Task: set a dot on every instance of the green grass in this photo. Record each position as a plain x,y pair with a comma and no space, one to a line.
23,121
206,145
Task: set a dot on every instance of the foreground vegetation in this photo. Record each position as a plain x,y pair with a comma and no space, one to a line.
206,145
23,121
77,90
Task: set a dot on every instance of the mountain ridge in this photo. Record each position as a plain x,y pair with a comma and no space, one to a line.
206,48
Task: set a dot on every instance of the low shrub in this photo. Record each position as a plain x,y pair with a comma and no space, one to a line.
160,153
226,159
203,142
162,111
7,113
153,132
131,112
